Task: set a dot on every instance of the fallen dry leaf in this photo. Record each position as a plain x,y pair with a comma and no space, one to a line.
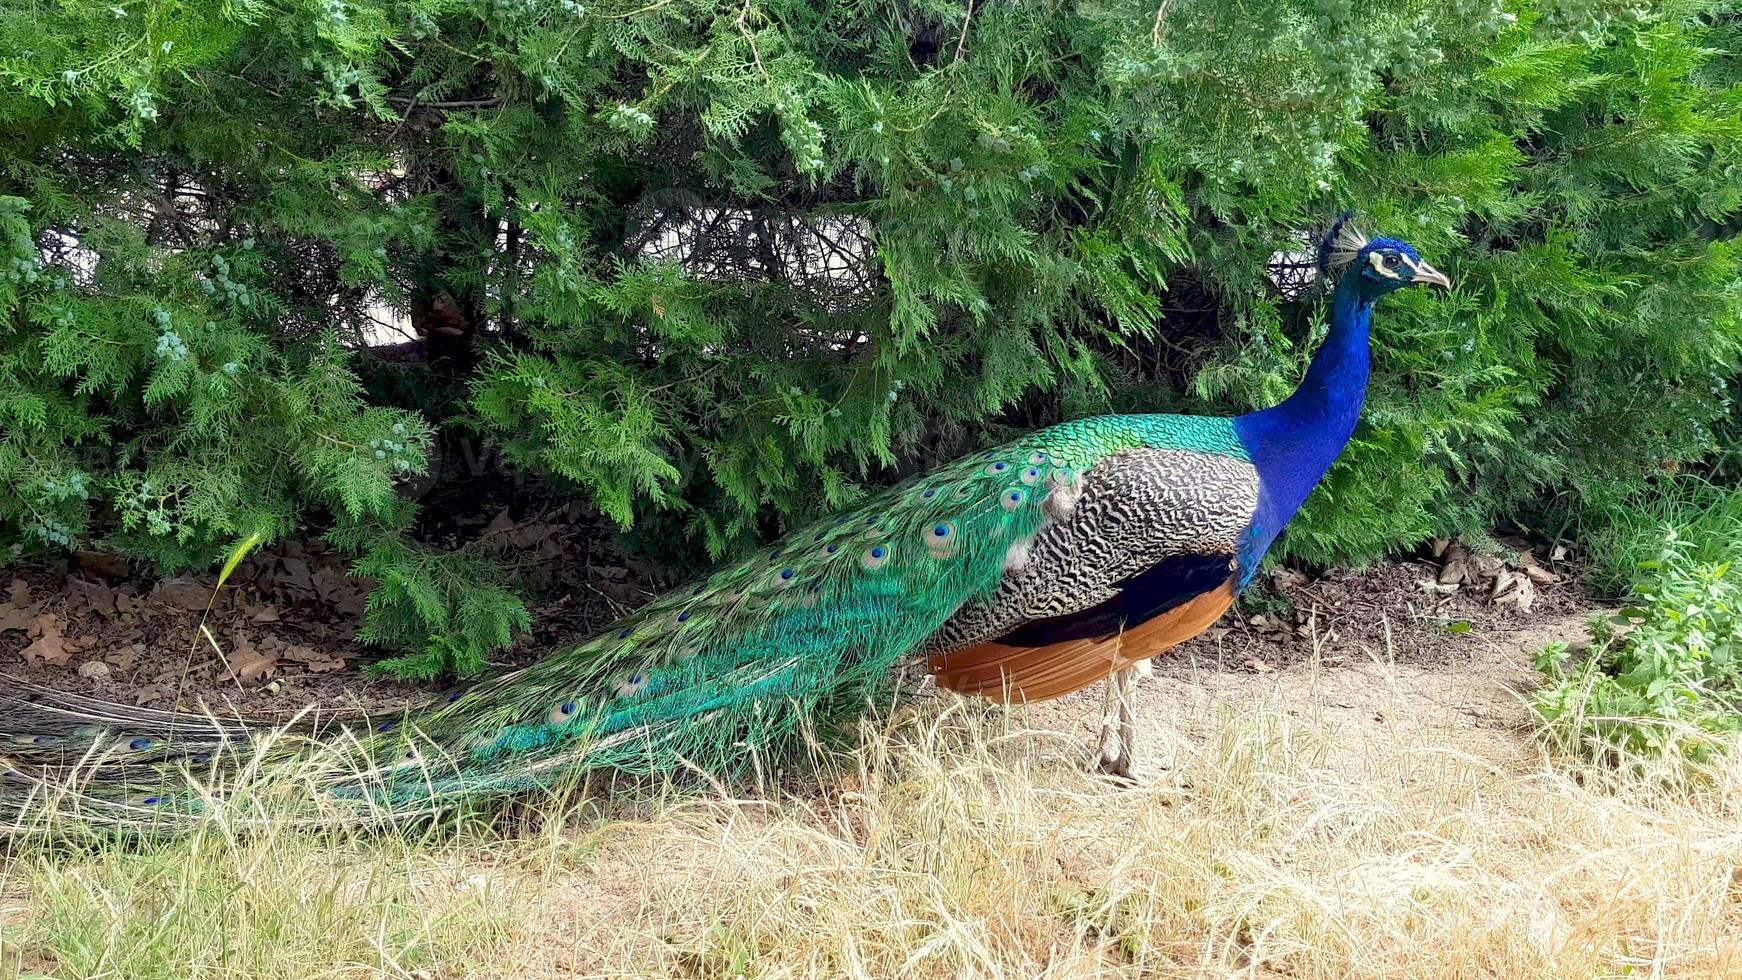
1258,666
50,647
95,596
101,563
1287,578
1541,575
1513,542
185,593
252,666
1504,582
16,617
297,575
329,582
17,612
1457,566
248,663
499,525
315,661
127,657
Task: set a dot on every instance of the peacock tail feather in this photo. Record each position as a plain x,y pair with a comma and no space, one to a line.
704,677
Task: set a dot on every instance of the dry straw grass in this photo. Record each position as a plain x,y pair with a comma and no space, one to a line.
1277,844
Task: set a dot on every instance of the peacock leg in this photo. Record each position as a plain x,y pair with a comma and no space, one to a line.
1118,726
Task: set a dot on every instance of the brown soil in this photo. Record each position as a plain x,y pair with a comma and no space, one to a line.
279,636
1394,610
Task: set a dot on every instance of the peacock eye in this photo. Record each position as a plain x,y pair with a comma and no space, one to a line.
1393,260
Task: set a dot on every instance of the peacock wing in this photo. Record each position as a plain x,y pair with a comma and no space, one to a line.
1147,560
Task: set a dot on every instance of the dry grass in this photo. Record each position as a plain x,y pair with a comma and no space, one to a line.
1278,844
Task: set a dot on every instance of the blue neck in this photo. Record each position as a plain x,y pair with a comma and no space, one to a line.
1294,443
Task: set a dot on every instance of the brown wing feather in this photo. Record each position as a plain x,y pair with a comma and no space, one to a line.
1021,674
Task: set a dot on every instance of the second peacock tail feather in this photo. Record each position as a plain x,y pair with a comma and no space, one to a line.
1023,572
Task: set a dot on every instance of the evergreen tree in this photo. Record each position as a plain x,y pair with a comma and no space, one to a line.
717,267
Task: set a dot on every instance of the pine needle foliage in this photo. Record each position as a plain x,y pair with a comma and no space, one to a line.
721,267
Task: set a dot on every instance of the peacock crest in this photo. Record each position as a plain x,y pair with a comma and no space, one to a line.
1340,246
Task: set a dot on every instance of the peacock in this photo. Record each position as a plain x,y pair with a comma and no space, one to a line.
1020,573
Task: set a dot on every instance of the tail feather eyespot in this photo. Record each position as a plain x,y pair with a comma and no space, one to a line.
875,556
940,538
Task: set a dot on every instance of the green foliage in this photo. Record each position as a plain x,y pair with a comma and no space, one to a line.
1068,209
1665,676
447,608
1705,516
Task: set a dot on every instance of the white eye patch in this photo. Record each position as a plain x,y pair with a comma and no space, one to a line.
1377,261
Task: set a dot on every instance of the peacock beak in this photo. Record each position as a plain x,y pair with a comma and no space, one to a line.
1428,275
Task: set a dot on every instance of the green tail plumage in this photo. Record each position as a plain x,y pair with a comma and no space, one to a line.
705,676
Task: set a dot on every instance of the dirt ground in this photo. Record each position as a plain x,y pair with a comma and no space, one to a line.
1467,694
278,636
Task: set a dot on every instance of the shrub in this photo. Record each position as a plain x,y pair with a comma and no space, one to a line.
717,273
1665,674
1704,517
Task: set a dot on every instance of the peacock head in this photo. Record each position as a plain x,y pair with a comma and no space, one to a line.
1379,266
